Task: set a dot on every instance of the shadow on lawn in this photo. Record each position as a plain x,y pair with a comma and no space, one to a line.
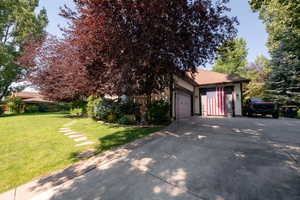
117,139
68,116
124,137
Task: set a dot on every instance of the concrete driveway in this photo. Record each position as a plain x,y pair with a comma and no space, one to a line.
198,158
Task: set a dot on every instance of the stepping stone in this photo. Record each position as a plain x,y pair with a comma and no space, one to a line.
64,129
80,139
74,136
84,144
71,133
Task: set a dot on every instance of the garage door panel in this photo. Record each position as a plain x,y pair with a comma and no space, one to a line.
183,105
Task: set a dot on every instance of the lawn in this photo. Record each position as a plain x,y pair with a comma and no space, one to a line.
31,145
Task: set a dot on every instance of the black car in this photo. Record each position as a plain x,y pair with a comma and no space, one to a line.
262,107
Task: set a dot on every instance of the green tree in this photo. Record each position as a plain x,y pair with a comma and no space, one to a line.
258,73
282,22
284,81
232,59
18,24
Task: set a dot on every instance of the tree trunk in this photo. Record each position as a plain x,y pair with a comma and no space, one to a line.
3,93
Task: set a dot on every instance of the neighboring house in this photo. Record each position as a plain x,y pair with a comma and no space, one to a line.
207,93
31,97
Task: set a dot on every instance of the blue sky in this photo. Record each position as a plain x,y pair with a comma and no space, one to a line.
250,28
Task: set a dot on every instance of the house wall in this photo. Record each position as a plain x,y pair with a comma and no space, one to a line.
197,101
197,107
203,105
185,85
237,95
237,99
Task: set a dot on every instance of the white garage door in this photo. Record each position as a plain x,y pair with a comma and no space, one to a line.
183,105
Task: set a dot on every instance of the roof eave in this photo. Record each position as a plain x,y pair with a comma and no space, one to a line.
227,82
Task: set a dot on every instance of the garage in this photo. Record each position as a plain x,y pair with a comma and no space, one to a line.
183,105
206,93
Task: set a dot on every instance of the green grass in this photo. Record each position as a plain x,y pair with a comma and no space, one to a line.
107,137
31,146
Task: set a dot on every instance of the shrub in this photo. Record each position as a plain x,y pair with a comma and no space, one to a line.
106,107
15,105
1,110
32,109
64,106
129,108
159,112
77,112
80,103
54,107
298,114
78,108
93,101
125,121
59,107
44,108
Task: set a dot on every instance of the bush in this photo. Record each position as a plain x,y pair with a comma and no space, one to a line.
80,103
1,110
77,112
129,108
58,107
298,114
106,107
44,108
78,108
125,121
32,109
159,112
93,101
15,105
62,107
54,107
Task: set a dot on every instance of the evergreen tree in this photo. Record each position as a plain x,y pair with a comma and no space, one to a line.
284,81
282,22
232,59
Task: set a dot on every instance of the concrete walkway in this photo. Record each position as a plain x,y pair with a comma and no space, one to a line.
214,159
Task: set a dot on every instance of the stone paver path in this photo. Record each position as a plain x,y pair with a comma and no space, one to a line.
83,144
77,137
80,139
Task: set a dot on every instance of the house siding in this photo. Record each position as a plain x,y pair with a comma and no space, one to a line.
237,98
198,99
182,83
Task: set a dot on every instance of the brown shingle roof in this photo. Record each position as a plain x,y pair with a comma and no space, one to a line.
205,77
31,97
25,95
